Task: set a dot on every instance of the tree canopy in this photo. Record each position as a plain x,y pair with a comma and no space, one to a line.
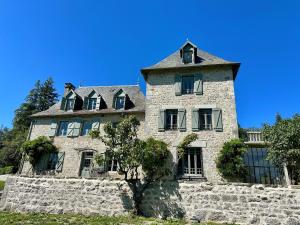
283,140
142,162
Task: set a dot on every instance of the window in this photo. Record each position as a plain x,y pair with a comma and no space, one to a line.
53,158
92,103
63,128
86,127
191,163
187,56
70,104
171,119
112,165
120,102
187,85
205,119
260,170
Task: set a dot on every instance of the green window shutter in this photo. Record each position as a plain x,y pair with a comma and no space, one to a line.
76,128
70,129
53,129
96,125
195,119
60,161
182,119
198,84
85,103
178,85
98,102
42,162
217,119
161,120
63,103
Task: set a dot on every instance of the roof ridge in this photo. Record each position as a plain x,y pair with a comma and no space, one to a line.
128,85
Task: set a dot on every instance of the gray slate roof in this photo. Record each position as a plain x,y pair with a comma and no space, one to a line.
203,59
107,92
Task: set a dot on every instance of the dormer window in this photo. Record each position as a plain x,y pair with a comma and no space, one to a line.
70,104
187,56
120,100
92,104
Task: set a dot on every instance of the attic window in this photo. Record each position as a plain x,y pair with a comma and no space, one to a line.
92,103
70,104
120,100
187,56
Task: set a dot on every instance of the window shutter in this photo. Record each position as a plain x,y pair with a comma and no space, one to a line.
182,119
217,119
53,129
98,102
70,129
198,84
96,125
195,119
63,103
76,128
42,162
60,161
161,120
178,85
85,103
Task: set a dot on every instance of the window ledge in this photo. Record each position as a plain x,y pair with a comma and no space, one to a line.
194,177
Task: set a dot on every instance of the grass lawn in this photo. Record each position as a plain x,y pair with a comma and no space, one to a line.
49,219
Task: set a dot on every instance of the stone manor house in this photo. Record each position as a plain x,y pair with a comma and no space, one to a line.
188,91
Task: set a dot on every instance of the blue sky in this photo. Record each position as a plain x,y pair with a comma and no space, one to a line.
92,42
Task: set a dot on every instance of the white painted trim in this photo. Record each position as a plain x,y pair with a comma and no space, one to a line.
211,106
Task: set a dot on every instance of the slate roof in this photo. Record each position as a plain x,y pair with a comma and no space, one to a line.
107,92
174,61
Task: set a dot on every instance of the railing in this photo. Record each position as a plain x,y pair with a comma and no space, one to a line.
254,137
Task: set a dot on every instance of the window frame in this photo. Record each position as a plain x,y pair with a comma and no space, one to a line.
207,127
58,133
172,125
191,156
184,91
92,105
68,100
190,53
82,133
116,102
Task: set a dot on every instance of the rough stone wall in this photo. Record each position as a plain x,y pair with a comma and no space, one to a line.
218,92
200,201
74,146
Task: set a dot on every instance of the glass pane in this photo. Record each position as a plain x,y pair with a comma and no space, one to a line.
87,126
187,84
171,119
63,127
120,102
187,56
92,103
70,104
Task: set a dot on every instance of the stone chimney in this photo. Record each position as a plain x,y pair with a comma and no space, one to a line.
68,88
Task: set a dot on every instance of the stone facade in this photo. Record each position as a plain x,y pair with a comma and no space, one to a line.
218,92
200,201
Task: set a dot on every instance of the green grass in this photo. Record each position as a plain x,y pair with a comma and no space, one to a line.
2,184
51,219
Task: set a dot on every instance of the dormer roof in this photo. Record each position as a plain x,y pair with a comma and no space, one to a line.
202,59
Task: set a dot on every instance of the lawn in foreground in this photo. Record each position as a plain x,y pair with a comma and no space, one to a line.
51,219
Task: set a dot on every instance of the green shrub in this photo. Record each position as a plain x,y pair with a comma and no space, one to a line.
6,170
37,147
2,184
230,161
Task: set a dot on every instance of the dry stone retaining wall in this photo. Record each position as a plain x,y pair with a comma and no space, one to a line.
202,201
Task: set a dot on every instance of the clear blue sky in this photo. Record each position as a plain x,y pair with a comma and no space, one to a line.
107,42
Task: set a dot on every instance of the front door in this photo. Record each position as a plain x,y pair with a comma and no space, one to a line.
86,164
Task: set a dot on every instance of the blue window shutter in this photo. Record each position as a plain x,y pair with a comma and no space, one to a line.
70,129
96,124
182,119
60,161
53,129
63,104
198,84
98,102
217,119
161,120
178,85
76,128
195,119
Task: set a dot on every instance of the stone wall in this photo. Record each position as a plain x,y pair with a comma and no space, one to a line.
74,146
218,92
202,201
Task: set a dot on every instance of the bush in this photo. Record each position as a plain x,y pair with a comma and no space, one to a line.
6,170
2,184
37,147
230,161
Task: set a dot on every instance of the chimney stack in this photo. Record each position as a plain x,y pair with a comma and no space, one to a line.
68,88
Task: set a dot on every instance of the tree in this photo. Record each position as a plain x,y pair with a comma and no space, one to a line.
141,162
283,140
242,133
230,161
